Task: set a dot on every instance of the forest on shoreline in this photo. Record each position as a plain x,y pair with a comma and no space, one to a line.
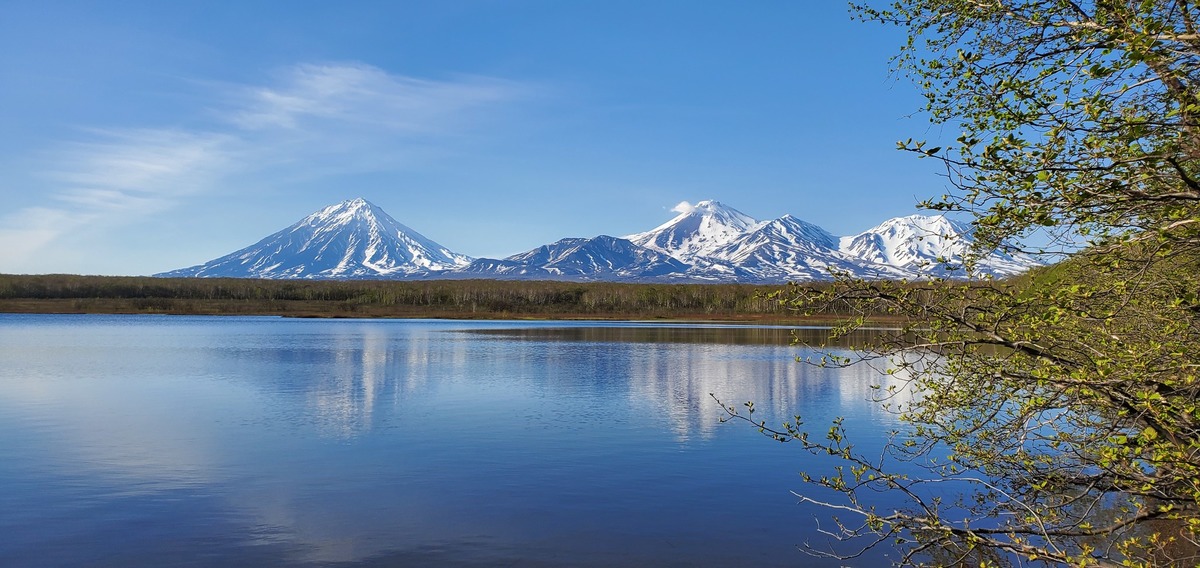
466,299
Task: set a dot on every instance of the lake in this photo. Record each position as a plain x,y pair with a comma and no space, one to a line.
256,441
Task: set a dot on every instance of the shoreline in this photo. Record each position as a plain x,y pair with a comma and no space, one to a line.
327,310
440,299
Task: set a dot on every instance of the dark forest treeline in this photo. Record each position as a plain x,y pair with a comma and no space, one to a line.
374,298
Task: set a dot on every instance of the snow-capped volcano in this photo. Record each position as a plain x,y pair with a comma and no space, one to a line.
792,249
707,242
725,245
352,239
699,230
928,245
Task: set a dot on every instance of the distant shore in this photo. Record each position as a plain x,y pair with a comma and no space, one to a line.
326,309
444,299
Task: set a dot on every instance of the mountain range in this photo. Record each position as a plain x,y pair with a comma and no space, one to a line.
708,242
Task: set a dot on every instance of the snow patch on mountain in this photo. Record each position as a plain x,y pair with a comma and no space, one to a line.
597,258
792,249
928,245
698,230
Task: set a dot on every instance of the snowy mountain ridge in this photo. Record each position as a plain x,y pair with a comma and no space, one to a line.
698,230
597,258
705,242
927,244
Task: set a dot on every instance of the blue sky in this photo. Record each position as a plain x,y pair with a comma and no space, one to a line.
145,136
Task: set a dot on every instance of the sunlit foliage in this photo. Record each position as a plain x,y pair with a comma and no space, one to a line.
1056,417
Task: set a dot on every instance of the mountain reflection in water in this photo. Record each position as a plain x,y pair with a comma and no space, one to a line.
717,335
250,441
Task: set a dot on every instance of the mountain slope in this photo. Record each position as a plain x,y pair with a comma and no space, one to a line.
789,249
352,239
597,258
927,246
702,229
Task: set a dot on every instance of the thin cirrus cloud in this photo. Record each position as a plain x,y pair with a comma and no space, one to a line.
361,95
314,120
117,177
127,170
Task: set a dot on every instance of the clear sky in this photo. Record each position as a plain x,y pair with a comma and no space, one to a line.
144,136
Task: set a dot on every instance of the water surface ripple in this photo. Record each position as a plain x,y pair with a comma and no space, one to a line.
253,441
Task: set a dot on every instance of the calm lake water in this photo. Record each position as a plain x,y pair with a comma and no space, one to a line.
246,441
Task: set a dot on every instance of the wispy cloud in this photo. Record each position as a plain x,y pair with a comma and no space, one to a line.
25,232
116,178
307,120
361,95
125,169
